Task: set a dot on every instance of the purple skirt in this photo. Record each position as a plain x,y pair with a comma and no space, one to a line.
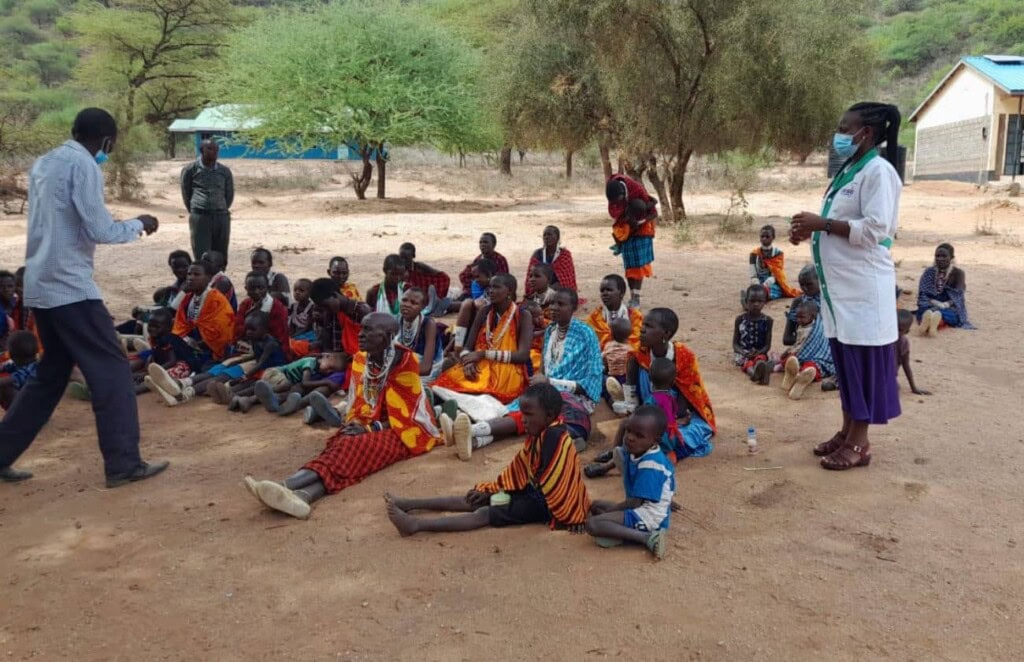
867,381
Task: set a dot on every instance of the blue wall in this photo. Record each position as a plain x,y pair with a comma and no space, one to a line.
236,149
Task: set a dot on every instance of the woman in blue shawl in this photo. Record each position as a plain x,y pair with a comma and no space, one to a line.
941,294
571,362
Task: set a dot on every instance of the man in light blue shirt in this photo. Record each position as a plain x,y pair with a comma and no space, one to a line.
67,218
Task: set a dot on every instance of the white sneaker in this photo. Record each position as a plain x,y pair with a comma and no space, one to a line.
168,399
280,498
252,486
614,388
163,380
805,378
447,429
463,435
309,417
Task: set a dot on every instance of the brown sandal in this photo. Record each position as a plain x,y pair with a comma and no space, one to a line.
831,446
839,462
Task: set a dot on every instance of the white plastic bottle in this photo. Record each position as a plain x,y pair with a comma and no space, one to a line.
751,440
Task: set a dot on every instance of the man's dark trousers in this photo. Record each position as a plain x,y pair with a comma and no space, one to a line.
79,334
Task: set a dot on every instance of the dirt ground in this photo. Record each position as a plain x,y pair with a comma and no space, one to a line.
917,557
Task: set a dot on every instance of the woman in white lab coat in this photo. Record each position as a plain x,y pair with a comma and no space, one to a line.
850,242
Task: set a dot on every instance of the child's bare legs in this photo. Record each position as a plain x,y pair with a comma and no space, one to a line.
605,462
612,525
469,518
298,400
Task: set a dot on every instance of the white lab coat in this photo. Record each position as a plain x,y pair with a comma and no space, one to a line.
858,271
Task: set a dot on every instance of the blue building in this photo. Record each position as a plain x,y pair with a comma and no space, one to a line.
224,123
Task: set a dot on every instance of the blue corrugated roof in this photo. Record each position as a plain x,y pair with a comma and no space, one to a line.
1006,72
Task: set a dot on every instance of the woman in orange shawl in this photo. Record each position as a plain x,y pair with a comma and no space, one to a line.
205,319
697,425
501,335
613,291
768,268
388,420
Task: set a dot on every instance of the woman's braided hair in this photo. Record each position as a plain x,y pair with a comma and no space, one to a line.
884,119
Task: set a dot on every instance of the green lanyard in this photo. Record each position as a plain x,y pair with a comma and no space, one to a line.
842,178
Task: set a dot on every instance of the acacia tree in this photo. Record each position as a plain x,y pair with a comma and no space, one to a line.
550,95
350,73
148,56
707,76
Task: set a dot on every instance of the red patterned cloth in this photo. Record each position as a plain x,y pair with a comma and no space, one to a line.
563,266
466,275
440,281
348,459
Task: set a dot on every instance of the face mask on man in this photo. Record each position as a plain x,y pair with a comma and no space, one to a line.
101,156
843,144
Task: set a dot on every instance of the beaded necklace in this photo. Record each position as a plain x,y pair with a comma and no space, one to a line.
376,376
504,322
556,348
409,332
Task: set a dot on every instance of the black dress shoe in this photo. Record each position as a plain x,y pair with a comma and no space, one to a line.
141,472
12,475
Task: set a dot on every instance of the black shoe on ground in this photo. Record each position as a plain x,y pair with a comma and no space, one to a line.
12,475
141,472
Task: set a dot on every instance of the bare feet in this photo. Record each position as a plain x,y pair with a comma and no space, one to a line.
404,522
400,502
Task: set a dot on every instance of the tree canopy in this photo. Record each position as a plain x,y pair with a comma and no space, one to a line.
351,73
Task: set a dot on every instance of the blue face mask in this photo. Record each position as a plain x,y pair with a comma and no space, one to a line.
101,156
843,144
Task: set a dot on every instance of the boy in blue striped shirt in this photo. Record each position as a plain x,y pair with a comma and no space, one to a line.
810,358
650,483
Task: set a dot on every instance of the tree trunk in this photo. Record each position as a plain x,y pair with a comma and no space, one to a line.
522,155
568,164
381,172
506,161
659,186
676,185
361,181
620,166
606,160
462,158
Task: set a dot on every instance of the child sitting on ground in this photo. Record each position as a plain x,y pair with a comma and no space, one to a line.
767,268
386,296
752,337
677,412
300,313
219,280
265,352
540,325
906,319
541,278
616,356
300,379
810,357
481,272
650,483
166,349
23,351
8,306
542,485
261,299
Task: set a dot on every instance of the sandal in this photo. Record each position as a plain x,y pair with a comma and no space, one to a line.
608,543
839,461
597,469
605,457
831,446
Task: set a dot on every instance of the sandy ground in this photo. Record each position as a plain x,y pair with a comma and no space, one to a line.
917,557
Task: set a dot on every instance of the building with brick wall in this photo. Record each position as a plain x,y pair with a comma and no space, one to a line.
971,126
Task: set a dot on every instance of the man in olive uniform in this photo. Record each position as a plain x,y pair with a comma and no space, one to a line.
208,191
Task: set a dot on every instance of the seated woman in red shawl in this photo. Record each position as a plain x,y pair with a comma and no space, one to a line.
422,275
388,420
556,257
635,214
487,243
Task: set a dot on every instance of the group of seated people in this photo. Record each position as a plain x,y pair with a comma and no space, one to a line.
807,357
